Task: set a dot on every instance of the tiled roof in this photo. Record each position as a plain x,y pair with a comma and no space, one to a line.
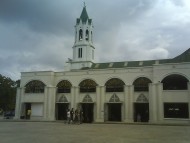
84,17
184,57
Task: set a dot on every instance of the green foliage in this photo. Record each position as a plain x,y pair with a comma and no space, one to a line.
7,93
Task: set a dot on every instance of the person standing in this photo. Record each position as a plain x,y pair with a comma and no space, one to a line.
81,116
28,113
76,116
68,116
72,115
138,117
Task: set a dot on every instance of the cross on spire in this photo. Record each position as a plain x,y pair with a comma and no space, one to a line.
84,4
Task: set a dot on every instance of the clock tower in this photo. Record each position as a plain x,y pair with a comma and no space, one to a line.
83,49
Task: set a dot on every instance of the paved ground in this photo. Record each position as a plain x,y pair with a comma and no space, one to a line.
58,132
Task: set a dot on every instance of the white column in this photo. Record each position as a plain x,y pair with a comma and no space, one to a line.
160,102
73,97
126,100
18,104
130,104
77,97
51,103
98,109
22,104
189,97
152,103
46,103
102,102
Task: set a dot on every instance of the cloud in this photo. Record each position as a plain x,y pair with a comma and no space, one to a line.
39,35
41,16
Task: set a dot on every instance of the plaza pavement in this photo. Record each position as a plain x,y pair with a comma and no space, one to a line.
58,132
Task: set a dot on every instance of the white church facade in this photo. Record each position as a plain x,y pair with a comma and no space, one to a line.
156,90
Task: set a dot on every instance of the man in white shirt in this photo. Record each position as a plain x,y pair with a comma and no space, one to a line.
68,116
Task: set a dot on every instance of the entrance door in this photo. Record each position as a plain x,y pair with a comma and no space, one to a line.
62,111
114,111
141,112
88,114
27,109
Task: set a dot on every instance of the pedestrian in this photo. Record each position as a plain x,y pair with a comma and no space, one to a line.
72,115
81,116
76,116
68,116
138,118
28,113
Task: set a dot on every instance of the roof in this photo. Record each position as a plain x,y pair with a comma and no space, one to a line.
184,57
84,17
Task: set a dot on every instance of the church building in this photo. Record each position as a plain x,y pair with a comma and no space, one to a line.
152,91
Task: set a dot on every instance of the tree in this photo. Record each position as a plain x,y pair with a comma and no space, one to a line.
7,93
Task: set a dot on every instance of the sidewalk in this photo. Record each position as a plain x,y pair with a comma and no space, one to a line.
58,132
2,119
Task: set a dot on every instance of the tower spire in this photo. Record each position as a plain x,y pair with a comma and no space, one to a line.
83,48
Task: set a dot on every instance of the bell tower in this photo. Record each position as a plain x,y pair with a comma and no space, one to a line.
83,49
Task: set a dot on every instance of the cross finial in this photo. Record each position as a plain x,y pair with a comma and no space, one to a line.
84,4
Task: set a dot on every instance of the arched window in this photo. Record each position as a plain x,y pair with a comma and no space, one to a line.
175,82
87,85
87,35
114,85
80,34
64,86
35,86
141,84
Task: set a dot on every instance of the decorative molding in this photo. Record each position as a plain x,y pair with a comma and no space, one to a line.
114,98
63,98
142,99
87,98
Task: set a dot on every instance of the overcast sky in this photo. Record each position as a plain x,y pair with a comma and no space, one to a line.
38,35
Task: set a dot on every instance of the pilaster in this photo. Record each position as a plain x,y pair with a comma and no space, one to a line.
98,109
73,97
152,103
126,104
189,97
102,101
160,102
52,100
46,103
130,103
18,103
77,99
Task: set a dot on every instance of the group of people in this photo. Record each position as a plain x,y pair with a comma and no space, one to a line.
74,116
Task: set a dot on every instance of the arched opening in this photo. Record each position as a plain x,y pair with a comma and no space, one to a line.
141,84
114,85
141,109
87,85
114,108
87,107
61,110
64,86
87,35
80,34
175,82
88,112
35,86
